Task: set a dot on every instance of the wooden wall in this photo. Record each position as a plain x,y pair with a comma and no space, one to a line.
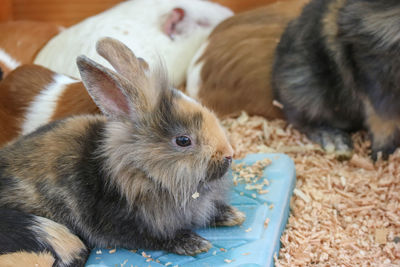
67,12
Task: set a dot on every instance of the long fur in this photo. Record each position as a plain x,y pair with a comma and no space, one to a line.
336,70
120,180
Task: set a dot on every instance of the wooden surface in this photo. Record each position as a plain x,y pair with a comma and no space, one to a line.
242,5
68,12
64,12
5,10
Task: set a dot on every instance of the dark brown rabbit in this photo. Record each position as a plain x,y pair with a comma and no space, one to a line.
337,70
125,179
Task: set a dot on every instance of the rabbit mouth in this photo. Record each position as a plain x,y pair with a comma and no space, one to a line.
217,170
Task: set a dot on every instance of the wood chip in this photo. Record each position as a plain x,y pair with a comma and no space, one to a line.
381,236
266,222
195,195
337,206
228,261
145,255
112,251
277,104
301,195
263,191
362,162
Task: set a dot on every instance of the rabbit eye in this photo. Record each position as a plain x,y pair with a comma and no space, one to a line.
183,141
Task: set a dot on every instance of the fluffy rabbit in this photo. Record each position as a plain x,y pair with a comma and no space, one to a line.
20,41
31,96
173,29
231,72
337,70
125,179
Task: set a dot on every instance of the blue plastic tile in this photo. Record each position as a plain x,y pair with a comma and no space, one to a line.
248,245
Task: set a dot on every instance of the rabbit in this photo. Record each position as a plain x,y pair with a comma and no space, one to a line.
337,71
31,96
231,71
173,29
126,178
20,41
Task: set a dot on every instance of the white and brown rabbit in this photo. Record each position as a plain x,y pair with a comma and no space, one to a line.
173,29
127,178
31,96
337,70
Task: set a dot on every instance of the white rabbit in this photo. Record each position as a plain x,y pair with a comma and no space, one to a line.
172,29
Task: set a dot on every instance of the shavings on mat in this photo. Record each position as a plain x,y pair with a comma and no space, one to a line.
345,213
195,195
251,175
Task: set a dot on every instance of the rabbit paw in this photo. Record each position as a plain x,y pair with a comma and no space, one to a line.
385,147
189,243
333,141
229,216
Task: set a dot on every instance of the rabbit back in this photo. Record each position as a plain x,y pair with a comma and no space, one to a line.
306,77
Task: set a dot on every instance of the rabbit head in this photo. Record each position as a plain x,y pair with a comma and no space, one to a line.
176,144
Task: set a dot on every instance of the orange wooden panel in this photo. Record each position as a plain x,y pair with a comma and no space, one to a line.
5,10
242,5
68,12
65,12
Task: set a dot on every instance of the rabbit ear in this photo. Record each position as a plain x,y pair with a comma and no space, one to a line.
107,88
136,70
122,59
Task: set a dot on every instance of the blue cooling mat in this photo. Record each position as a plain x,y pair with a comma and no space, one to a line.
249,245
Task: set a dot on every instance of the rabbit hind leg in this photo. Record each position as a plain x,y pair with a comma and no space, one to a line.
332,140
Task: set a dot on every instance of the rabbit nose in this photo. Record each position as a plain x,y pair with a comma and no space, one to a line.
228,160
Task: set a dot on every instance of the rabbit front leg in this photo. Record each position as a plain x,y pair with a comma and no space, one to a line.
228,215
186,242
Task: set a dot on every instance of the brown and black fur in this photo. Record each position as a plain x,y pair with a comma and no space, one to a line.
29,240
118,180
337,70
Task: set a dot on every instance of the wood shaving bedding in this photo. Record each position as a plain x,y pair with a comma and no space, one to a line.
343,213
